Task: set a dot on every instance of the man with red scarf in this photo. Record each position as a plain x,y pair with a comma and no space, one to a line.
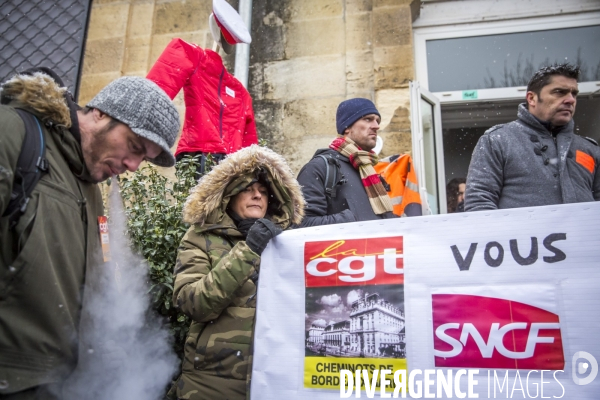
339,183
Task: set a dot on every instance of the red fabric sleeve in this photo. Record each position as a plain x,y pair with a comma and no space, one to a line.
175,65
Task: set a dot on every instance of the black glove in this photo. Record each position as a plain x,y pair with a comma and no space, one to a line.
244,225
260,233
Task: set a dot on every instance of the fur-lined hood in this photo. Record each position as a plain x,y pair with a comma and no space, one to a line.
40,94
209,199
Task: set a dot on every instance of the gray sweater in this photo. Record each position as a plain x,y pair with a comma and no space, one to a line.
521,164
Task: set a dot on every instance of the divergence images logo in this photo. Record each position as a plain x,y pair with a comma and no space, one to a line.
354,262
484,332
580,368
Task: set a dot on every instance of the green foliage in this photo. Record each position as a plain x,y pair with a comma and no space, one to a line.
263,142
153,205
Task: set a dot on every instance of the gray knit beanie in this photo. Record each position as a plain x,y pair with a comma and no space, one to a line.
143,106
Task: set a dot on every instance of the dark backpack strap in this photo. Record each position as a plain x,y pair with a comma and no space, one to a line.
331,175
31,165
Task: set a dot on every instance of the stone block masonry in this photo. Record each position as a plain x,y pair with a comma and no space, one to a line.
306,57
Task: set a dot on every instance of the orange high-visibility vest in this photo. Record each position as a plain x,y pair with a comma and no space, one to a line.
399,173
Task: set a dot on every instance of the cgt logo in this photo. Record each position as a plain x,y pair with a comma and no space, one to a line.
103,224
485,332
354,262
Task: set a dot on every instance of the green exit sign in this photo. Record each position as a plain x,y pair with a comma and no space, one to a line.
469,94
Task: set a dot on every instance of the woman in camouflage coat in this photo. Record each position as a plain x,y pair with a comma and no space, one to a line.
218,265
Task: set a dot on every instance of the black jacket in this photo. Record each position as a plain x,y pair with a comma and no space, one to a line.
351,202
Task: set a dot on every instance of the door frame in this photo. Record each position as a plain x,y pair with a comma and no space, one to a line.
417,93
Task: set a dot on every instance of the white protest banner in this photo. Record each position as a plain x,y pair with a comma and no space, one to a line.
498,304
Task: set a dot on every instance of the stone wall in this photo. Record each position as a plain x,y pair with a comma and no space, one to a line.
309,55
126,38
306,57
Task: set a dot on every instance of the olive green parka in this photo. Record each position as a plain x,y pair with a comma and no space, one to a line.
43,260
216,273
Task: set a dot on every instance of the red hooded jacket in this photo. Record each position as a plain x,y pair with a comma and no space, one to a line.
218,109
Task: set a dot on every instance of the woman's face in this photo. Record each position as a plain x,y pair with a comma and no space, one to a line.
251,202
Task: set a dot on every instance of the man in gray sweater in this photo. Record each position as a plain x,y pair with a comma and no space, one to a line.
536,160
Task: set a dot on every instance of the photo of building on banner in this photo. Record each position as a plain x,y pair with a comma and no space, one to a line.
354,309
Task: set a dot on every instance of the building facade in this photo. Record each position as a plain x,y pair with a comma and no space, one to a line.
376,327
306,57
337,335
441,72
315,335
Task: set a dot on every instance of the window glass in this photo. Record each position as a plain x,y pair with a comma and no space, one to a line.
507,60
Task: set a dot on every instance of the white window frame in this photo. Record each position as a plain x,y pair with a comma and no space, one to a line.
422,35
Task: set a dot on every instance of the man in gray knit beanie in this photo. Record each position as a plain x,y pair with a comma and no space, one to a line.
140,104
45,265
129,121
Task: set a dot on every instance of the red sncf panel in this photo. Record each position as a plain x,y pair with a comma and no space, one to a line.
371,261
484,332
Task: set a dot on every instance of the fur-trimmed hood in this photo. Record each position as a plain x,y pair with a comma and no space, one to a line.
40,94
209,199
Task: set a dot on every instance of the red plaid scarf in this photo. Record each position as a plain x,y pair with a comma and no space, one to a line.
363,161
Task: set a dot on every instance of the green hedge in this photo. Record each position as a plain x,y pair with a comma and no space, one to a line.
153,205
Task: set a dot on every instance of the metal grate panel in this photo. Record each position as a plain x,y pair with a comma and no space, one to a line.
43,33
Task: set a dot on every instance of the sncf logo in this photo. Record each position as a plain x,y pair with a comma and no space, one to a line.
354,262
484,332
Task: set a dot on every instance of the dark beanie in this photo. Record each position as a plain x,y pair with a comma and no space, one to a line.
352,110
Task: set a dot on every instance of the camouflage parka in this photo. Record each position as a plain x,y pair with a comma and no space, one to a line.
215,270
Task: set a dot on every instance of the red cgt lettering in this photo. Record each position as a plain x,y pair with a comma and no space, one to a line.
354,262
